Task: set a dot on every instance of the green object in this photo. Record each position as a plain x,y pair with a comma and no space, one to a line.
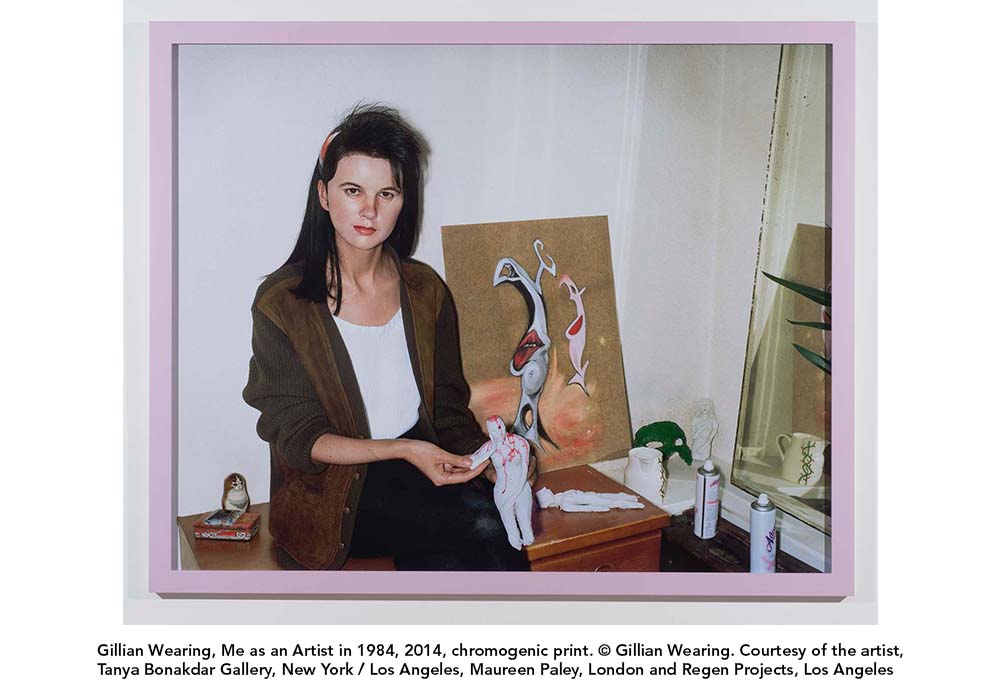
811,324
822,298
818,360
670,437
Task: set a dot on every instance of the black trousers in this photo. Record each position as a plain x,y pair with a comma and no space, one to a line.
430,528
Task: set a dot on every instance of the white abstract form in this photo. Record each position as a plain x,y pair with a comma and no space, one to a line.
531,357
511,493
574,501
576,333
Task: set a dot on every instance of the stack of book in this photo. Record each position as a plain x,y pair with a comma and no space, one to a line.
227,525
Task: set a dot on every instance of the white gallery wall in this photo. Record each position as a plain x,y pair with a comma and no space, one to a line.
669,142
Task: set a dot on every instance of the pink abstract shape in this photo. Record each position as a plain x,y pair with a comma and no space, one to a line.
576,333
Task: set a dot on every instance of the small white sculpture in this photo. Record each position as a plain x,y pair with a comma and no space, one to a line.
704,427
234,493
511,493
574,501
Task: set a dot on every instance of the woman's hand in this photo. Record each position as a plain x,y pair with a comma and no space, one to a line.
532,469
440,466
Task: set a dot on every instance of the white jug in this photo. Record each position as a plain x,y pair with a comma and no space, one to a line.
644,473
801,458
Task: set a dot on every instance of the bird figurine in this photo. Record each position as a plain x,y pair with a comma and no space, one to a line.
234,493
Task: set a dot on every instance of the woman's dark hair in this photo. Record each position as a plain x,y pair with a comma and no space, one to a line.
371,130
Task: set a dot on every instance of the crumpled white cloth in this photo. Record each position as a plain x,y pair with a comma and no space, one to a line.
574,501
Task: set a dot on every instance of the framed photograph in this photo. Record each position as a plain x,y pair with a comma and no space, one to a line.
686,188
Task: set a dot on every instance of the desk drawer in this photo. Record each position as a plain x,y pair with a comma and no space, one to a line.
638,553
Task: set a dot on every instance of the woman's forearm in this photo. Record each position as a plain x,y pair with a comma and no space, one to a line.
337,449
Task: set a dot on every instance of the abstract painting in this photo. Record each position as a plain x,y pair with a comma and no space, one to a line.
539,334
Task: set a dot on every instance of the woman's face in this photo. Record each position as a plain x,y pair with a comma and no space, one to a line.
363,200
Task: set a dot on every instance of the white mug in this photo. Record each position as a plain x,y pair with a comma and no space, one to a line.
801,458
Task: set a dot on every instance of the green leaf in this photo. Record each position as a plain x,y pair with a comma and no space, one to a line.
818,360
811,324
818,295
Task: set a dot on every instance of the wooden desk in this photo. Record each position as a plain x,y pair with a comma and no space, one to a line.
618,540
259,553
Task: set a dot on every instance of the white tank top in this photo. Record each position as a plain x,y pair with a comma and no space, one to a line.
385,375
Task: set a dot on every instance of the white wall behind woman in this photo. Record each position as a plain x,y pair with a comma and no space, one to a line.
516,133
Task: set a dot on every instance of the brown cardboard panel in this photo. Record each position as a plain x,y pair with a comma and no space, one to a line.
811,398
493,320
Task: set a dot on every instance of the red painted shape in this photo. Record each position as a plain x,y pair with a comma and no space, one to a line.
575,328
525,349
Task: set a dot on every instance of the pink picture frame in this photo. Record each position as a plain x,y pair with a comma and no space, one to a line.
165,576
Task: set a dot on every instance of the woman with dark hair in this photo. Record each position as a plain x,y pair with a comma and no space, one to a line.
357,374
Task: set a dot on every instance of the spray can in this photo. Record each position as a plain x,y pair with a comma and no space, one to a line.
706,501
763,545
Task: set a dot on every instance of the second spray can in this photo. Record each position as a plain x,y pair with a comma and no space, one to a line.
763,545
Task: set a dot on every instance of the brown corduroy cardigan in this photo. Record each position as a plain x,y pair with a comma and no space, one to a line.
302,382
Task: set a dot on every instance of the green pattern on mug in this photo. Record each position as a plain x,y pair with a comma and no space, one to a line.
807,461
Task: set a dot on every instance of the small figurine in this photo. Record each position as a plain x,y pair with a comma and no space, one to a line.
704,427
234,493
511,493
